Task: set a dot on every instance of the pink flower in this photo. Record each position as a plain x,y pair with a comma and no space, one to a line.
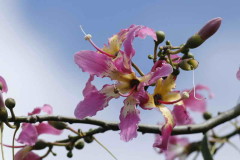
176,149
238,74
30,132
3,85
197,103
26,154
118,69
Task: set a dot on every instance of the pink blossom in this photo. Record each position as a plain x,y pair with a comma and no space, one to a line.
197,103
30,132
3,84
118,69
177,148
26,154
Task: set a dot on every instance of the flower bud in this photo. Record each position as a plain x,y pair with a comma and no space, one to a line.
207,31
188,64
58,125
150,56
207,115
10,103
40,144
79,144
69,154
88,139
160,37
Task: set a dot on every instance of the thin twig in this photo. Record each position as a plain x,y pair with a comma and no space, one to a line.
137,69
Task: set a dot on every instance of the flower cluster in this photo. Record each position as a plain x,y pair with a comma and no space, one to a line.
114,60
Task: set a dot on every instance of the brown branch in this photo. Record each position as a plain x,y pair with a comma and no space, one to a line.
105,126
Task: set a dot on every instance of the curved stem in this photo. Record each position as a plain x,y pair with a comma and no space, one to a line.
137,69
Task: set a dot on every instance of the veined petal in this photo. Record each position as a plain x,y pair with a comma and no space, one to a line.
199,104
28,135
26,154
95,101
160,72
181,115
94,63
146,31
165,86
4,84
45,128
129,119
89,87
166,128
172,96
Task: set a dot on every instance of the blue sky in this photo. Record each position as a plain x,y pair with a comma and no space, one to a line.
39,38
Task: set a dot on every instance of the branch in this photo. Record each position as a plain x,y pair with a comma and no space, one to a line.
105,126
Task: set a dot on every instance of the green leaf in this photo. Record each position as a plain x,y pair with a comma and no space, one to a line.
205,150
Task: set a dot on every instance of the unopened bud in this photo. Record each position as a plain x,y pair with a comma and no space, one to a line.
150,56
207,115
188,64
88,139
160,37
40,144
207,31
79,144
69,154
58,125
10,103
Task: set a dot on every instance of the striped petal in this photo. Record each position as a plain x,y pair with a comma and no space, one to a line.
94,63
166,129
94,100
129,119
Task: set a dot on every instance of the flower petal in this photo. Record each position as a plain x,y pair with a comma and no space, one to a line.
149,104
129,119
94,63
47,109
199,104
160,72
26,154
94,101
181,116
45,128
28,135
4,84
166,129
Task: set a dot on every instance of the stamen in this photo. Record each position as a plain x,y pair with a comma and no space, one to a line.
88,38
9,146
194,89
129,93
